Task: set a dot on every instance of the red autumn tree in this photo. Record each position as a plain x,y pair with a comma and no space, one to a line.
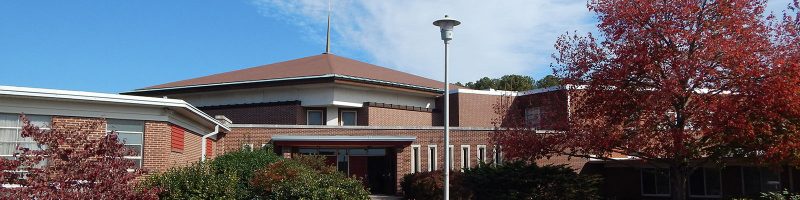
73,162
677,84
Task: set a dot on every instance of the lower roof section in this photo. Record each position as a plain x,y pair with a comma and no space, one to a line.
341,140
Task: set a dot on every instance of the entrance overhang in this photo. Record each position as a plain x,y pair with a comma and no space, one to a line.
335,140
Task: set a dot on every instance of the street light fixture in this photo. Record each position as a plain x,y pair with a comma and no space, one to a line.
446,25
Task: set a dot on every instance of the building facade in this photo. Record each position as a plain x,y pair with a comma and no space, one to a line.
166,132
369,121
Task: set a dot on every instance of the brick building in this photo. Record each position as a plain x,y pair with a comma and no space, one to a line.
371,122
165,132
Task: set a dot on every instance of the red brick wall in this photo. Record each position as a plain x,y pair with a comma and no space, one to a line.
288,113
256,136
474,110
377,116
157,141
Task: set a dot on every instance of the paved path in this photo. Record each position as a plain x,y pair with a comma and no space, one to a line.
384,197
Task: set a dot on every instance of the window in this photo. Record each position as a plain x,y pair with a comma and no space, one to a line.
481,154
314,117
533,116
347,118
498,155
130,132
10,136
655,182
464,157
705,182
431,157
415,159
758,179
247,147
450,154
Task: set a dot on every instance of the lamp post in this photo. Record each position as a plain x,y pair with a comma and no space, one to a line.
446,25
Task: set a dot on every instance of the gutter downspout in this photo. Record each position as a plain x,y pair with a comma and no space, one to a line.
203,143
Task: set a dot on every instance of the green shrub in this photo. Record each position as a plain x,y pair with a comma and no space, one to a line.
782,195
198,181
242,164
429,185
523,181
305,177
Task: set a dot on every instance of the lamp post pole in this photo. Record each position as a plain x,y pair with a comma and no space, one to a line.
446,25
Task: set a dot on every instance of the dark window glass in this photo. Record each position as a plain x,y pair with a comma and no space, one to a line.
348,118
713,185
697,183
655,181
752,180
314,117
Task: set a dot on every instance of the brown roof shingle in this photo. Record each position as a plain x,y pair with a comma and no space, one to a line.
325,64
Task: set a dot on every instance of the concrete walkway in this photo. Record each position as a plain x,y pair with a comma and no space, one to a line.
384,197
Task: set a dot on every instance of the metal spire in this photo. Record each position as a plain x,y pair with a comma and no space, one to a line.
328,34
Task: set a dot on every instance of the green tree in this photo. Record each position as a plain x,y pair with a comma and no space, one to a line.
514,83
548,81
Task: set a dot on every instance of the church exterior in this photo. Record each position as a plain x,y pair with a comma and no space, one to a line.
371,122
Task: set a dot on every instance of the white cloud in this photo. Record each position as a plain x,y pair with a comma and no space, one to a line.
494,39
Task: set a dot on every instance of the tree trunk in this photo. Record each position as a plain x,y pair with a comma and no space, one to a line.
678,181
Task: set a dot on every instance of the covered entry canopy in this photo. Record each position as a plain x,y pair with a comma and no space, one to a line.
337,140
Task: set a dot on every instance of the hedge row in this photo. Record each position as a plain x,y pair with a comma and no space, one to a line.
256,174
509,181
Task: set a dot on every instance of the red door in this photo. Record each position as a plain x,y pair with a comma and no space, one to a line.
358,168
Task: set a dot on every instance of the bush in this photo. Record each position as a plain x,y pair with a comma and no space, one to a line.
429,185
511,181
226,177
305,177
782,195
242,164
522,181
198,181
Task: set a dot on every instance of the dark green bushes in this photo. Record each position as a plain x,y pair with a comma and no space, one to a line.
429,185
510,181
258,174
198,181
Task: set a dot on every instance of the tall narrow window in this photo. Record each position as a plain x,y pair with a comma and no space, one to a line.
247,147
655,182
415,159
498,155
450,154
464,157
705,182
347,118
130,132
481,154
431,157
314,117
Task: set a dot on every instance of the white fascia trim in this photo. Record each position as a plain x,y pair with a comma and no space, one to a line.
387,82
347,104
515,93
485,92
329,138
104,98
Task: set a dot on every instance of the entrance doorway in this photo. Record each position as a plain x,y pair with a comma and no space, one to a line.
375,167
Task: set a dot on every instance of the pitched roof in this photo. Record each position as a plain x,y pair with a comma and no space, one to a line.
312,66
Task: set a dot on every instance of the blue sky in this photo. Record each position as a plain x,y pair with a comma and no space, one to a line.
115,46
